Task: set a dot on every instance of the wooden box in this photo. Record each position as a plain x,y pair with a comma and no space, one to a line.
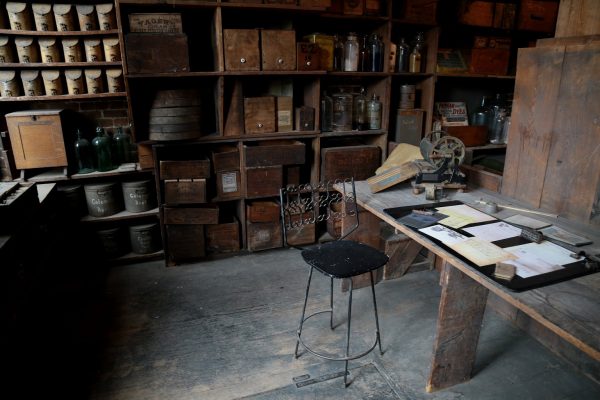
259,114
189,169
305,118
263,235
354,7
155,22
36,138
145,156
325,43
489,61
537,15
275,152
191,216
223,237
264,181
229,186
263,211
474,135
226,158
478,12
278,50
359,162
285,113
308,57
185,242
291,175
153,52
304,234
185,191
241,48
421,11
409,126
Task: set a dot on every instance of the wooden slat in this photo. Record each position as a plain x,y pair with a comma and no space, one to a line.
402,252
578,18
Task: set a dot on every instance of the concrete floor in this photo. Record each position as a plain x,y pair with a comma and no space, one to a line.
225,329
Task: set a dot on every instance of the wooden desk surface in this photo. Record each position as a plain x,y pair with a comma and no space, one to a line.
571,309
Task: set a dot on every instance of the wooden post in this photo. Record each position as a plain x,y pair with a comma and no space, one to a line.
459,322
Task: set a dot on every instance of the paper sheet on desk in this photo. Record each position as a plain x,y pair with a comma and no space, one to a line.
481,252
461,215
494,231
443,234
538,258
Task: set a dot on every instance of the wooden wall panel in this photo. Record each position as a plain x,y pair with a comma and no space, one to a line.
578,18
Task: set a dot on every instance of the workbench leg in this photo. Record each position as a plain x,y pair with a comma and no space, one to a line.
462,306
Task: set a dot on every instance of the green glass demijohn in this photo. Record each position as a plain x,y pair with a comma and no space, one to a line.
102,149
84,154
122,142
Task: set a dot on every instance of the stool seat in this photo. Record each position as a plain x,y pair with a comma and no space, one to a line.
344,258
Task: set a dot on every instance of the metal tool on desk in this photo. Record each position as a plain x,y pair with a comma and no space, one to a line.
442,154
492,208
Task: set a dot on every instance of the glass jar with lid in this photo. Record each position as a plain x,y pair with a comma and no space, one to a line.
351,52
342,111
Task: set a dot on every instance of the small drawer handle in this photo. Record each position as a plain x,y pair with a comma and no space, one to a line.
259,125
243,60
308,63
280,61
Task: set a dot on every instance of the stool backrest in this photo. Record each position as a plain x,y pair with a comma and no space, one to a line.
307,204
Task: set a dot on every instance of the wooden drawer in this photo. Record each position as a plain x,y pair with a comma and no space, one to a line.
285,113
188,169
354,7
185,191
229,186
37,139
421,11
151,52
223,237
241,49
263,211
278,50
489,61
275,152
474,135
478,12
259,114
264,181
145,156
304,234
191,216
155,22
308,57
185,242
359,162
263,235
226,158
537,15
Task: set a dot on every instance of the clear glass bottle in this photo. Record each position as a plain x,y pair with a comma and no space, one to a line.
421,46
338,53
351,50
102,149
376,46
482,114
122,142
83,154
342,111
374,112
326,112
403,54
414,63
359,111
364,56
496,133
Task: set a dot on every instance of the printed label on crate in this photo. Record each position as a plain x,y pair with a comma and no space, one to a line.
284,118
229,182
452,113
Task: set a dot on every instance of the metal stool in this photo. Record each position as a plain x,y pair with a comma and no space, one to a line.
306,204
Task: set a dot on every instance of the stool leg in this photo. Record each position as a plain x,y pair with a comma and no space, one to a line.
331,305
376,316
348,336
299,331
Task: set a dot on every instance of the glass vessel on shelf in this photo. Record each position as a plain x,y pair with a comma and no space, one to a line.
403,55
338,53
83,154
374,112
482,114
359,111
351,50
342,111
364,56
414,63
377,51
102,149
122,142
326,112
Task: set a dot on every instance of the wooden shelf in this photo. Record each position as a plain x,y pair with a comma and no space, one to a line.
120,216
473,76
354,133
131,258
86,64
10,32
64,97
487,147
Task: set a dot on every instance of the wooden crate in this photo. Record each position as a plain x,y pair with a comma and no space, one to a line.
421,11
145,156
155,22
489,61
223,237
478,13
359,162
241,49
229,186
185,191
150,53
259,114
275,152
185,242
226,158
473,135
263,235
188,169
304,234
263,211
264,181
537,15
308,57
278,50
354,7
191,216
285,113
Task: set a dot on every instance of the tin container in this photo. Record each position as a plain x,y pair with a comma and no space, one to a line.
86,15
9,85
43,17
93,50
112,50
49,50
102,199
72,50
72,200
64,15
93,81
114,80
407,97
53,85
7,53
138,196
33,84
112,242
27,50
75,81
106,16
144,239
19,16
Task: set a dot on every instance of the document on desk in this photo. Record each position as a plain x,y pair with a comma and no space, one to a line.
538,258
443,234
494,231
461,215
481,252
526,221
554,232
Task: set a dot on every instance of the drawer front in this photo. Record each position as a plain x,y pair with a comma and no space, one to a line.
241,49
264,181
278,50
191,216
278,153
259,114
264,235
229,185
308,57
263,211
189,169
345,162
224,237
185,191
185,241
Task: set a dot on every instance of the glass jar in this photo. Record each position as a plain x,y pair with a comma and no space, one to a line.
364,56
414,63
102,149
496,133
122,142
351,50
374,112
326,112
342,111
376,46
421,46
83,154
359,111
482,114
338,53
403,55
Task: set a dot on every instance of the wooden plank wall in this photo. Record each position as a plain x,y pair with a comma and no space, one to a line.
578,18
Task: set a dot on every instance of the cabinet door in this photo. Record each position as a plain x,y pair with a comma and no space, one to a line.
278,50
241,49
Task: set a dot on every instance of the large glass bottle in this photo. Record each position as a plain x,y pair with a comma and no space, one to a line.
376,46
359,111
102,149
374,112
122,142
351,50
421,46
338,53
403,55
326,112
364,56
342,111
414,63
83,154
482,114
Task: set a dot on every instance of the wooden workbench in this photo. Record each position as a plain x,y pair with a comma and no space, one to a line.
570,309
